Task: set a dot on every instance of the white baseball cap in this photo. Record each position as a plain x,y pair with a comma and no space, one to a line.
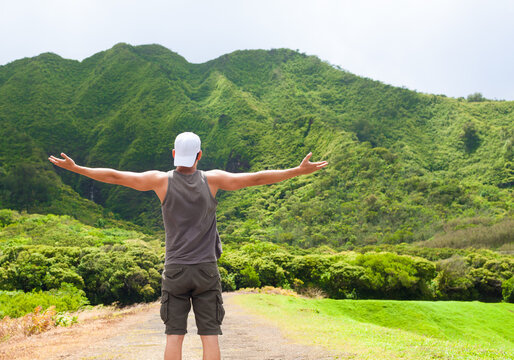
187,145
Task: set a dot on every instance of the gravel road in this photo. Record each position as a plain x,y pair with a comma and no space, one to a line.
140,336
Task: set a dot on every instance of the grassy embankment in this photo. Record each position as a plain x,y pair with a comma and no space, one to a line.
392,329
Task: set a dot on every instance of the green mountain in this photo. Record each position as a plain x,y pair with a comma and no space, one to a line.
403,166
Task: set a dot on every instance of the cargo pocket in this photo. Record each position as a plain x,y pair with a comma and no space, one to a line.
172,273
212,273
220,311
165,298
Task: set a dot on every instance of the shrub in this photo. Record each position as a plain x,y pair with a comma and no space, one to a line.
453,280
269,272
393,276
342,279
65,319
228,282
487,285
249,277
508,290
39,320
19,303
309,268
6,217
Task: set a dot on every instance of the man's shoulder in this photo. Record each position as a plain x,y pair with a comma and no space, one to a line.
159,174
214,172
158,177
214,176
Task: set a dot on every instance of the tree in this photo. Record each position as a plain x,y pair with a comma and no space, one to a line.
27,186
365,131
470,137
476,97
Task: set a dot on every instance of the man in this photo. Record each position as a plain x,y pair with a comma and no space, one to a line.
193,246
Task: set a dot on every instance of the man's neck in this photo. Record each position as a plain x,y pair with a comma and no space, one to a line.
186,170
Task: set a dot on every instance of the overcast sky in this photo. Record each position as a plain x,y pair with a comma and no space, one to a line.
449,47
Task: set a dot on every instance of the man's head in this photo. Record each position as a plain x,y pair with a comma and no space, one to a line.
187,149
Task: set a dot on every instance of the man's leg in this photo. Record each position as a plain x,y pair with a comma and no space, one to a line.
208,308
175,306
173,349
211,347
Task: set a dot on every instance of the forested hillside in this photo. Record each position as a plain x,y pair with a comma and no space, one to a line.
403,166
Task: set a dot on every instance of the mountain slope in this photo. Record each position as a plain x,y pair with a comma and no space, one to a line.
401,163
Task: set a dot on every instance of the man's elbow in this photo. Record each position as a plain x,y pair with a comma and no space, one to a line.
111,179
257,179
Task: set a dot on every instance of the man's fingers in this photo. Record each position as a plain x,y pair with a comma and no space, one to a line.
56,161
306,158
318,163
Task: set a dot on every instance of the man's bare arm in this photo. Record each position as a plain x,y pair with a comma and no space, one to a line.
144,181
235,181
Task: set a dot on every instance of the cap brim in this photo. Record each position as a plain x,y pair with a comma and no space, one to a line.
187,161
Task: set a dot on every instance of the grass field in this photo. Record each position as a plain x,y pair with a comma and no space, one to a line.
392,329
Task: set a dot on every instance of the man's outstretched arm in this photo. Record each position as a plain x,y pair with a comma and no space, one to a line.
144,181
234,181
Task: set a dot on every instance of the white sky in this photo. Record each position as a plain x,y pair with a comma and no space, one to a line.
451,47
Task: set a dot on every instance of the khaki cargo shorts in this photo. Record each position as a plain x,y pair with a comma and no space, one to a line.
199,284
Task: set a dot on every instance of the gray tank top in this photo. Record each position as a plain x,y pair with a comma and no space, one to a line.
189,216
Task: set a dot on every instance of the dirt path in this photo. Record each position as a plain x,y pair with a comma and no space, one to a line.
140,336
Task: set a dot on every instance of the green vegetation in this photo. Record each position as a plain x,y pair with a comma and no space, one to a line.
402,165
55,230
378,329
19,303
41,252
387,272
